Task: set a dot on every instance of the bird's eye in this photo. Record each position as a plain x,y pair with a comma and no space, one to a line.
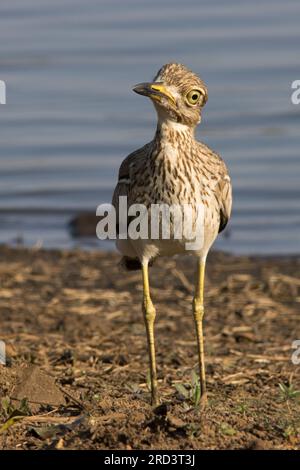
193,96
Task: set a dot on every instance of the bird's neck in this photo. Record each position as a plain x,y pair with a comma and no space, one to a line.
174,134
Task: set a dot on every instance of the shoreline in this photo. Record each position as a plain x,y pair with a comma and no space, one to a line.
62,231
92,248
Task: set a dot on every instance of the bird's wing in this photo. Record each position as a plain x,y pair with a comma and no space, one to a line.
222,190
126,176
224,196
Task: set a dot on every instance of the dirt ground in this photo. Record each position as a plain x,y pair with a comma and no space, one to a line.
76,373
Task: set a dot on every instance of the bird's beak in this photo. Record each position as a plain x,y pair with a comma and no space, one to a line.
155,91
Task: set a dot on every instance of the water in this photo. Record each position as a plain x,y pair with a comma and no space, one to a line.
71,116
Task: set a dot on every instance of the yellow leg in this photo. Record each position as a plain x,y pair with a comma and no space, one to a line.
149,316
198,310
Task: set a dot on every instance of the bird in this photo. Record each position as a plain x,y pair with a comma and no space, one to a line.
174,168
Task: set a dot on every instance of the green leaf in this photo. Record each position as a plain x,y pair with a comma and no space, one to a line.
288,391
227,429
24,407
194,378
182,390
6,405
283,388
15,414
10,422
197,395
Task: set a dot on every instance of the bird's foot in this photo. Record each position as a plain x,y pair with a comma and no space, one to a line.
203,402
155,401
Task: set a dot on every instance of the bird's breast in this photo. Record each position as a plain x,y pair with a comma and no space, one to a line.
173,180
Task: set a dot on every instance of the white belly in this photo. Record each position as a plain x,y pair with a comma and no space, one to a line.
146,249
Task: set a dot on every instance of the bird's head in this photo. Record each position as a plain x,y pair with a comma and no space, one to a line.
177,94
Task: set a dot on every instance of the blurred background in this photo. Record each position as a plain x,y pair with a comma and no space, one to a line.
71,117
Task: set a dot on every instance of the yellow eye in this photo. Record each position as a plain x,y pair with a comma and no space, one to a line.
193,96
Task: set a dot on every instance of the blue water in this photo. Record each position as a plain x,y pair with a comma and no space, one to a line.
71,116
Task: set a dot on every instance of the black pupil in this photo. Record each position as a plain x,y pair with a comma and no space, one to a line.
194,97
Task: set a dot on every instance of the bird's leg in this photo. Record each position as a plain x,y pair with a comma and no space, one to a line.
149,316
198,310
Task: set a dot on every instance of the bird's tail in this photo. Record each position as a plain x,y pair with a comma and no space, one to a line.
132,264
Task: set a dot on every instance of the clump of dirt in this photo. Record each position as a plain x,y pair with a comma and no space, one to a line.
76,372
37,387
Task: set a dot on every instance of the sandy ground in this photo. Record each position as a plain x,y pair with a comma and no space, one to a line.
76,373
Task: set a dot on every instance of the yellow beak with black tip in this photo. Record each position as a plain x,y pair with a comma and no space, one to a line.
155,91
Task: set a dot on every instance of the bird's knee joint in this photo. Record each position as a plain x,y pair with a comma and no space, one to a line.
198,309
149,310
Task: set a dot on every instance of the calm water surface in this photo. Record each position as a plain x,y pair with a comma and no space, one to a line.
71,116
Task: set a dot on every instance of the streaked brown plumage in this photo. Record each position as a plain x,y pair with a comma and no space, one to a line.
174,169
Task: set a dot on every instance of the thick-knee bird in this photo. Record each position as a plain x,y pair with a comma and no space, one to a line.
174,170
